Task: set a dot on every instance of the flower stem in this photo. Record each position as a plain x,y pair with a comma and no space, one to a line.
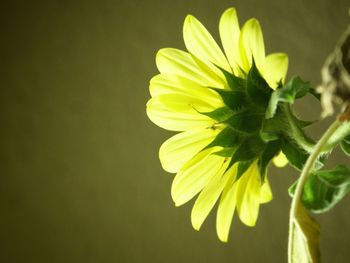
296,202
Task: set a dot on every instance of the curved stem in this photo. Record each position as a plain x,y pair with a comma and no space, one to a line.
296,202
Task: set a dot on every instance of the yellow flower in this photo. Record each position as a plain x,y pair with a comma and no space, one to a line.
183,91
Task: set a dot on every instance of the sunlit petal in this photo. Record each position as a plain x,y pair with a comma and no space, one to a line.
180,148
200,43
275,69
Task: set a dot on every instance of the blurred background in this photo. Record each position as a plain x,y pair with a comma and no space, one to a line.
80,179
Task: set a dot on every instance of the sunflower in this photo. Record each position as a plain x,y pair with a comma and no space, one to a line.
217,100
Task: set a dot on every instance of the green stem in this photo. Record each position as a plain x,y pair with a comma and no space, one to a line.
296,202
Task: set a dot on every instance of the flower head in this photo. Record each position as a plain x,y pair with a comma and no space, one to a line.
217,101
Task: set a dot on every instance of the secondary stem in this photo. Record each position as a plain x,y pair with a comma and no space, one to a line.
296,202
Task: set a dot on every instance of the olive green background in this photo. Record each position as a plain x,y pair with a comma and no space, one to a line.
80,179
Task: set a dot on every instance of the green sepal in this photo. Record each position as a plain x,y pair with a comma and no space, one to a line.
268,137
235,100
294,89
226,138
235,83
270,151
246,121
257,88
251,148
227,152
324,189
220,114
302,123
273,128
242,168
295,155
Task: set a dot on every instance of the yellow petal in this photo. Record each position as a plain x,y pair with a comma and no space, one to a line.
229,34
169,84
248,195
195,175
200,43
177,62
251,45
179,149
275,69
172,113
280,160
265,192
227,205
208,197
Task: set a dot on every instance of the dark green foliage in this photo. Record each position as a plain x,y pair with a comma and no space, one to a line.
293,90
246,121
226,138
258,90
295,155
235,100
345,145
270,151
324,189
249,149
220,114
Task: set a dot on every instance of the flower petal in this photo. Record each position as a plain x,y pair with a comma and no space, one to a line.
200,43
229,34
169,84
248,195
280,160
227,205
179,149
195,175
173,114
265,192
208,197
251,45
177,62
275,69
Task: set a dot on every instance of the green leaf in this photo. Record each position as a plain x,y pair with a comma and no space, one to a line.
347,139
235,100
220,114
245,121
305,239
324,189
270,151
251,148
294,89
314,93
345,146
340,134
257,88
226,138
